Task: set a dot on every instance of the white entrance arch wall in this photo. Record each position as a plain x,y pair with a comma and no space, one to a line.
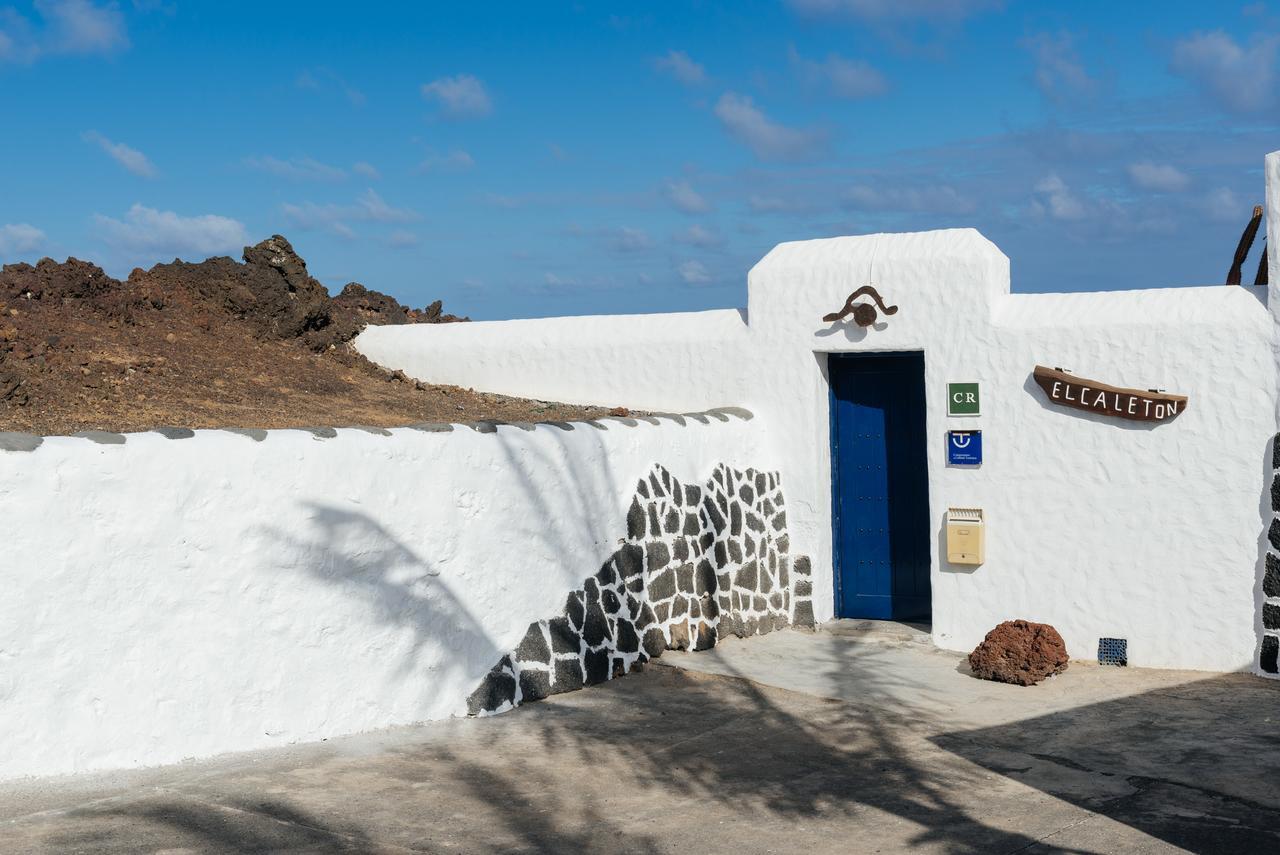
1103,527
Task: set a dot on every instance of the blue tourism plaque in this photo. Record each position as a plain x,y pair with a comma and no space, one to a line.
964,447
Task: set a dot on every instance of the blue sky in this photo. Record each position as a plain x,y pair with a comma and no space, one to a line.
528,159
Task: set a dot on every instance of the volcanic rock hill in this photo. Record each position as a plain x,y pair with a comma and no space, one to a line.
219,343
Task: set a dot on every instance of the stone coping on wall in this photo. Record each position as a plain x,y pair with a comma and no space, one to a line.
25,442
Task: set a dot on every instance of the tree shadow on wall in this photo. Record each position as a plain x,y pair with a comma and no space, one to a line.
569,463
402,589
726,743
352,551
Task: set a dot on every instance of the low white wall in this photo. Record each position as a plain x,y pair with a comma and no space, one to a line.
650,362
174,598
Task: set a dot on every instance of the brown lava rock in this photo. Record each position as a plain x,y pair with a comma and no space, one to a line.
1019,652
256,343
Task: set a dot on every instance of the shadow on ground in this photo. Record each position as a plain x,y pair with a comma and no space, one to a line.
675,761
1195,765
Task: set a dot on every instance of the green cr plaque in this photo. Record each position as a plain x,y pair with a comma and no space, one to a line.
962,399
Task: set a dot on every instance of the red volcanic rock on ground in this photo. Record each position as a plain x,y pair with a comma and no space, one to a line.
1019,652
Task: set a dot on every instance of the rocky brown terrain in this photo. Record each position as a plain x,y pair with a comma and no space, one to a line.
219,343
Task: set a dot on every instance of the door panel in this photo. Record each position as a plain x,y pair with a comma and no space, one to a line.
881,485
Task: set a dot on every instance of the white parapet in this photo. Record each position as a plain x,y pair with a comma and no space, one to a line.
610,360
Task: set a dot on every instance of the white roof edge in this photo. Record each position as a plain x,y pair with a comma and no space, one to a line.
720,316
886,245
1207,305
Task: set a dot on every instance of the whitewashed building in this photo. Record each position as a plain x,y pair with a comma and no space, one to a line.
1146,526
176,594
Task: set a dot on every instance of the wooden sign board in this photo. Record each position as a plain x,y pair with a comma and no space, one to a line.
1134,404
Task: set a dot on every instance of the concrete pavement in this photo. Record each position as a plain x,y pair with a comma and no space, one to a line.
839,741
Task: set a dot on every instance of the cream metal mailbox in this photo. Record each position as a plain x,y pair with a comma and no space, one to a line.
964,536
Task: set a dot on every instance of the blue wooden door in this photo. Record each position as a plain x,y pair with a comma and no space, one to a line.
881,485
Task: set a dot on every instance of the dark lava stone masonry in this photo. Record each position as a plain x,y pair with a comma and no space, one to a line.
1270,650
699,562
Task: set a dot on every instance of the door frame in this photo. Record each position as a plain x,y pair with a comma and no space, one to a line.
837,556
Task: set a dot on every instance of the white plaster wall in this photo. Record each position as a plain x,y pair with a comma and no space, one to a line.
637,361
167,599
1272,170
1273,223
1103,528
935,278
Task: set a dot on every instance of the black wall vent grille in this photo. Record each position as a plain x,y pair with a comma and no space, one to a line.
1113,651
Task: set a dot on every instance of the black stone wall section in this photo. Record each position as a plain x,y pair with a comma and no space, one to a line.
700,562
1269,652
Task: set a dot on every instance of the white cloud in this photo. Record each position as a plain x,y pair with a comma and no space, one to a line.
685,198
678,64
1224,205
846,78
699,236
373,208
401,239
693,272
19,238
767,204
321,79
499,200
147,233
1241,78
161,6
853,78
79,26
130,158
888,10
18,39
1161,178
1057,200
461,95
627,239
368,208
554,283
768,139
66,27
296,168
368,170
940,199
8,47
309,215
1059,72
455,161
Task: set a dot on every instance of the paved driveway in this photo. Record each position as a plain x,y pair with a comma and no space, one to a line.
834,744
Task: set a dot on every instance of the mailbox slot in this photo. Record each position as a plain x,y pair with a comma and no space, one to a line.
965,536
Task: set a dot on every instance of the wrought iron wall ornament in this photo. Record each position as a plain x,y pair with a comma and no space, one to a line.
864,315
